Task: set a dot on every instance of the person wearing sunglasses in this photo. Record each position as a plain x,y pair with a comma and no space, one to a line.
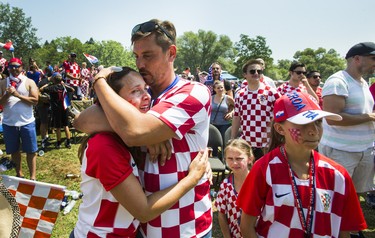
350,142
253,109
297,81
18,96
314,79
179,114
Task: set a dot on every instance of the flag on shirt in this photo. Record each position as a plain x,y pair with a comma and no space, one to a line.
92,59
66,101
39,205
7,46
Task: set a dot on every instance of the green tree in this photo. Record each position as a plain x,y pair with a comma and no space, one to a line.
202,49
15,26
326,62
281,71
251,48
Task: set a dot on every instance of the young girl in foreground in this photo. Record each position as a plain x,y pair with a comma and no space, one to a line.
239,158
114,202
295,191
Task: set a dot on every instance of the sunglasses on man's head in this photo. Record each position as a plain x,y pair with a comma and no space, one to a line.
148,27
300,72
253,71
11,66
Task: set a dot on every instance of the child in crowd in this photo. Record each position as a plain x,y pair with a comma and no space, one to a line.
59,111
239,158
293,191
114,202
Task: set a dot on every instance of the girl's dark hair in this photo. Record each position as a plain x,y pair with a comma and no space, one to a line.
115,82
276,139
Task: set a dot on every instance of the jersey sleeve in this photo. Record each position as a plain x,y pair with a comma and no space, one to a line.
184,107
252,196
108,160
220,201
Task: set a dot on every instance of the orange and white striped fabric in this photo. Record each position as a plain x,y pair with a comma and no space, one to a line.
39,205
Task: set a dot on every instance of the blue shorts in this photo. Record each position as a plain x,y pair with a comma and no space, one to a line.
14,135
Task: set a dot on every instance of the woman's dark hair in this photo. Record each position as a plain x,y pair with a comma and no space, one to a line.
115,82
276,139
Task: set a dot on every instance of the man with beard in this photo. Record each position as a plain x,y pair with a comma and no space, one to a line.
179,113
350,141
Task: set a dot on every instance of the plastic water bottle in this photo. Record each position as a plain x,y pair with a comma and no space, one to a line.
70,206
64,202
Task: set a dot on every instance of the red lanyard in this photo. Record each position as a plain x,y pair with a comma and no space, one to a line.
306,223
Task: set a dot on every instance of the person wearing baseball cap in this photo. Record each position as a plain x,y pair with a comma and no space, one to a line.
18,96
350,142
293,189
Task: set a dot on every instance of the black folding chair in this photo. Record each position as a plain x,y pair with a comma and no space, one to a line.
216,161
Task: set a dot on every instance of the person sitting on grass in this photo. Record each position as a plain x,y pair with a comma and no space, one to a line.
57,91
114,202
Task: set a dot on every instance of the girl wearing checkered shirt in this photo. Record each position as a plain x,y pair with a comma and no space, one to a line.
114,202
239,158
293,191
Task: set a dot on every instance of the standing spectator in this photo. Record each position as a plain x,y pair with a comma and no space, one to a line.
350,141
34,74
239,158
180,114
253,109
214,74
60,121
264,79
293,191
3,61
73,76
297,81
18,96
222,107
313,78
43,108
85,80
48,64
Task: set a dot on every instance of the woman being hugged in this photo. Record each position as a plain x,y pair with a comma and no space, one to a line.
239,158
114,203
293,191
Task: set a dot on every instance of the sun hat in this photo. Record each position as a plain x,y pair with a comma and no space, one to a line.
10,221
364,48
300,109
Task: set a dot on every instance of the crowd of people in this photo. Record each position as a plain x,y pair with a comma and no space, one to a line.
303,156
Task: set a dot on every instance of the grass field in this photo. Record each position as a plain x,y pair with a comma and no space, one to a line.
55,164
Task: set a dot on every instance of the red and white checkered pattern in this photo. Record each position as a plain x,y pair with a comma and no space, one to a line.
318,93
106,163
255,108
74,70
226,204
39,205
267,192
3,61
287,88
185,109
